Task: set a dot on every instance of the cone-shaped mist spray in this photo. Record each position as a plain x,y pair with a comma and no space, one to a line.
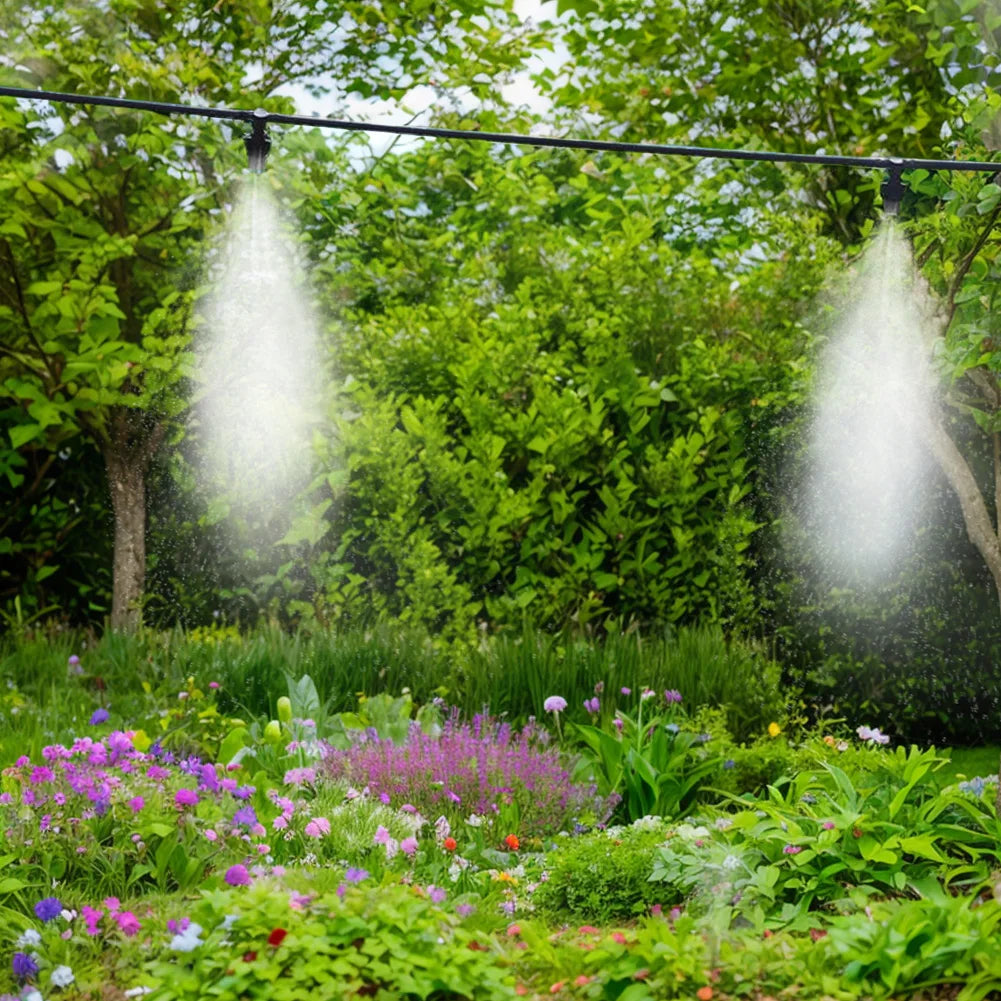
259,366
869,459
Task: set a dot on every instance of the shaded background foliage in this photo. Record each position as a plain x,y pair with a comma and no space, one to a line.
565,389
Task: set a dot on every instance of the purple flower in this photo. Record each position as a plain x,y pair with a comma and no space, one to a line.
354,875
237,875
555,704
672,695
592,705
408,846
24,966
245,815
436,894
48,909
99,716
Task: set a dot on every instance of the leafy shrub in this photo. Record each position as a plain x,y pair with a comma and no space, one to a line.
604,876
820,840
653,765
512,779
381,941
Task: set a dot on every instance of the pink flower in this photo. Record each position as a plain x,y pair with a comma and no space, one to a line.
382,836
792,849
128,922
408,846
317,827
113,904
136,803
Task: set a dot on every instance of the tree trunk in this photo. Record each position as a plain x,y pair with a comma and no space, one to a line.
128,452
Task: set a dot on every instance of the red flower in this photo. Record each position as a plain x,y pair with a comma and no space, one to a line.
276,937
512,842
450,844
249,957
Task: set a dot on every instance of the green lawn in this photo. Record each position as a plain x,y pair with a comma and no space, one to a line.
966,762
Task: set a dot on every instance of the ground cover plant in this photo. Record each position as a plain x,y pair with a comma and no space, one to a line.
406,849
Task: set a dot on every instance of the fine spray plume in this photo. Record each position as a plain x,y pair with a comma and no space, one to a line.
259,356
867,492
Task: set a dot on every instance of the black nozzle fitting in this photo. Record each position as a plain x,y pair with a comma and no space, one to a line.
893,191
258,143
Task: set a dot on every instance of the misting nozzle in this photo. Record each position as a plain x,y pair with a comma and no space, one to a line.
893,191
258,143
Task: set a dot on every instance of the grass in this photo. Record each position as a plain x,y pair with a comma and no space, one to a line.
967,762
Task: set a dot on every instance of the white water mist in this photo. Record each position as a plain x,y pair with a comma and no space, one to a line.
259,368
869,462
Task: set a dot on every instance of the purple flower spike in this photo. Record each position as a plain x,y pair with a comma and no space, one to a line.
672,696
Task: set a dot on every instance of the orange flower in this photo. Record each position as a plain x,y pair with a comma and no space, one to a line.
512,842
704,993
450,844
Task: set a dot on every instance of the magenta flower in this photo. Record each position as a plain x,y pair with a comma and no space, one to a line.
408,846
672,695
92,918
185,797
136,803
128,922
237,875
792,849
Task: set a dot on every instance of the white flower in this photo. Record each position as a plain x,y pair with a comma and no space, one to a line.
132,992
29,937
731,862
474,820
188,939
62,976
32,996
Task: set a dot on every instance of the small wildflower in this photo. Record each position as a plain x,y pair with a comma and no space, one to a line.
185,797
24,966
512,842
62,976
792,849
317,827
48,909
592,705
277,936
625,691
450,844
774,729
672,695
99,716
354,875
237,875
828,825
555,704
704,993
408,846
